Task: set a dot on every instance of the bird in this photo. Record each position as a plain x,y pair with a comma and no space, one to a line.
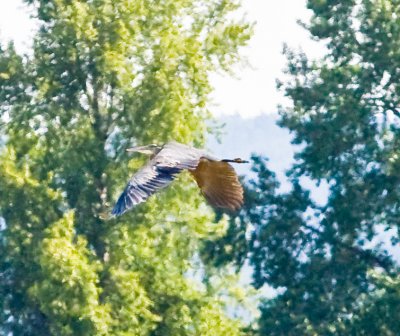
216,178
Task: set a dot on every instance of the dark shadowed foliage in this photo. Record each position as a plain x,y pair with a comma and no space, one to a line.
336,264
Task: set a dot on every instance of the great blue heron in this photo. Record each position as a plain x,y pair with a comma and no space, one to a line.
216,178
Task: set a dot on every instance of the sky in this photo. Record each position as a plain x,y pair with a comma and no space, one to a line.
252,90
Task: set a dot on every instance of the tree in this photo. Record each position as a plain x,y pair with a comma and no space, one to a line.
344,115
104,74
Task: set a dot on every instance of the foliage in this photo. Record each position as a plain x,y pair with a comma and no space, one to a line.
104,74
377,312
344,117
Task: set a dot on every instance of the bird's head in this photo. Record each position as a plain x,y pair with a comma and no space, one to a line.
151,149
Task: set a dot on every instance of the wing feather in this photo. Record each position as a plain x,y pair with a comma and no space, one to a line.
157,174
142,185
219,184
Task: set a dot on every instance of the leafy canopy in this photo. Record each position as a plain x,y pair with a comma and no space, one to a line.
103,74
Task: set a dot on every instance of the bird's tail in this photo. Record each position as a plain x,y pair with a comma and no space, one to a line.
237,160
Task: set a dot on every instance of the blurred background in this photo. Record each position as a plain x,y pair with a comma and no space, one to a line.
308,90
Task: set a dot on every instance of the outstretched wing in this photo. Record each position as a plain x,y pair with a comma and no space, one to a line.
156,174
219,184
143,184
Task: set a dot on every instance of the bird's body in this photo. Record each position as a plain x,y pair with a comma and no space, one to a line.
216,178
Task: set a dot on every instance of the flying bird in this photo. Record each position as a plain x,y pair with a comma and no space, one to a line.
216,178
